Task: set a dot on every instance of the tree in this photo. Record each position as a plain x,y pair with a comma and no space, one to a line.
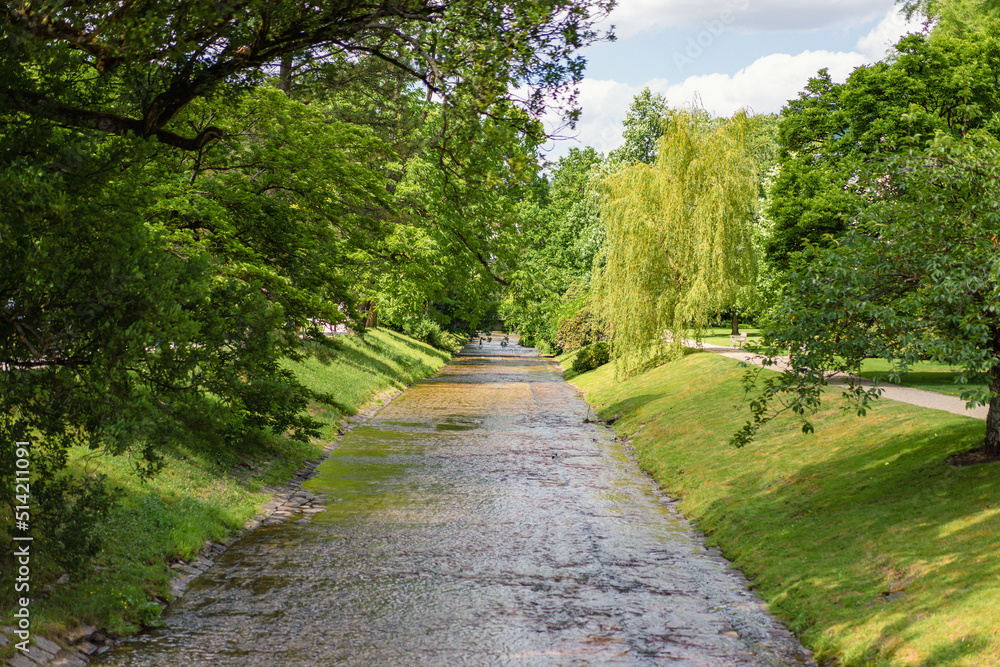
830,133
645,122
917,277
912,274
679,234
132,68
563,234
170,224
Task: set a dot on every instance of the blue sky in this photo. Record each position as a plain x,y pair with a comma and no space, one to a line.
729,53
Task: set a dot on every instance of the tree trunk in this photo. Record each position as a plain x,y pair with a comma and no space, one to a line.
285,75
993,416
372,321
736,324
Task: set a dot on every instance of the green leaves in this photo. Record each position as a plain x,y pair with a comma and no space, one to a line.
915,278
679,234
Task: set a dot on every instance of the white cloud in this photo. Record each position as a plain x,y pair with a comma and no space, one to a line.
764,86
605,104
631,17
883,36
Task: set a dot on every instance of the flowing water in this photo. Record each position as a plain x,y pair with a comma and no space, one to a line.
475,520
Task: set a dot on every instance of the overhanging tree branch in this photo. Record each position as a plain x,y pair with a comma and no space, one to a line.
38,105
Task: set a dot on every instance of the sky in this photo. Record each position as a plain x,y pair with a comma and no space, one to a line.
724,55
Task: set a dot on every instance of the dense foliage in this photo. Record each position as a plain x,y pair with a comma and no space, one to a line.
190,193
680,234
909,267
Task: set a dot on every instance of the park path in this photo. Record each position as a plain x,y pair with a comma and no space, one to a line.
478,519
920,397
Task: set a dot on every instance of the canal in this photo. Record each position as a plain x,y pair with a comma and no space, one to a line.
477,519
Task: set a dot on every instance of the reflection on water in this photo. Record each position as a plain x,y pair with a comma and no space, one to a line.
476,520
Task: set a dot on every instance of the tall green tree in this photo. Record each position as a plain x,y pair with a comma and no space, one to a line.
679,234
916,278
914,274
170,224
831,131
132,68
563,235
644,124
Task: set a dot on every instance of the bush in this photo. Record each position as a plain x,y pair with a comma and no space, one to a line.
591,357
579,329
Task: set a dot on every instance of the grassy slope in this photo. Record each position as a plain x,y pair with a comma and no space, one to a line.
826,524
204,493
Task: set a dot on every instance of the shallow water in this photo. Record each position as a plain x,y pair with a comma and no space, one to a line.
476,520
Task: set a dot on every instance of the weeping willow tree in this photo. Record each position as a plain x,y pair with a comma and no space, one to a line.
679,235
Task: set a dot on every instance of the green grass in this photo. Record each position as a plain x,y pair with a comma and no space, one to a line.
720,335
362,369
206,493
923,375
825,524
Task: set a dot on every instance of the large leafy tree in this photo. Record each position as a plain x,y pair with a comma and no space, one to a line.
563,235
914,274
644,124
679,233
917,277
132,68
832,130
170,225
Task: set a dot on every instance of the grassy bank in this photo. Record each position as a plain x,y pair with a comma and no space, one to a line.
860,536
206,493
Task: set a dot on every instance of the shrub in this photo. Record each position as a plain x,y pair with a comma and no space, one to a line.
579,329
591,357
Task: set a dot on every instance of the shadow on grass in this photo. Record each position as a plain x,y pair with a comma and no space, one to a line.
860,536
835,538
368,354
416,345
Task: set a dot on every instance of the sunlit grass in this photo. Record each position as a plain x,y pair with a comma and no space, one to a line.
720,335
922,375
826,525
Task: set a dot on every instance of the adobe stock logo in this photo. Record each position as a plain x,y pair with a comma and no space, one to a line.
713,29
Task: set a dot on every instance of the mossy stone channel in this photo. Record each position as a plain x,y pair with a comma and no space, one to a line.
477,519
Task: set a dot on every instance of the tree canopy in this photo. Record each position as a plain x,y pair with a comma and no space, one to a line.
132,68
679,233
189,191
906,151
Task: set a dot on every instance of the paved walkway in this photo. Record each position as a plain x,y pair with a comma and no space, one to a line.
919,397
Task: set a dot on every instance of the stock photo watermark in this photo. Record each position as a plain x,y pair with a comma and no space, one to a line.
22,544
712,30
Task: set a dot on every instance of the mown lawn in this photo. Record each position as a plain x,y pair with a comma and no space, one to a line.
923,375
205,492
720,335
861,537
